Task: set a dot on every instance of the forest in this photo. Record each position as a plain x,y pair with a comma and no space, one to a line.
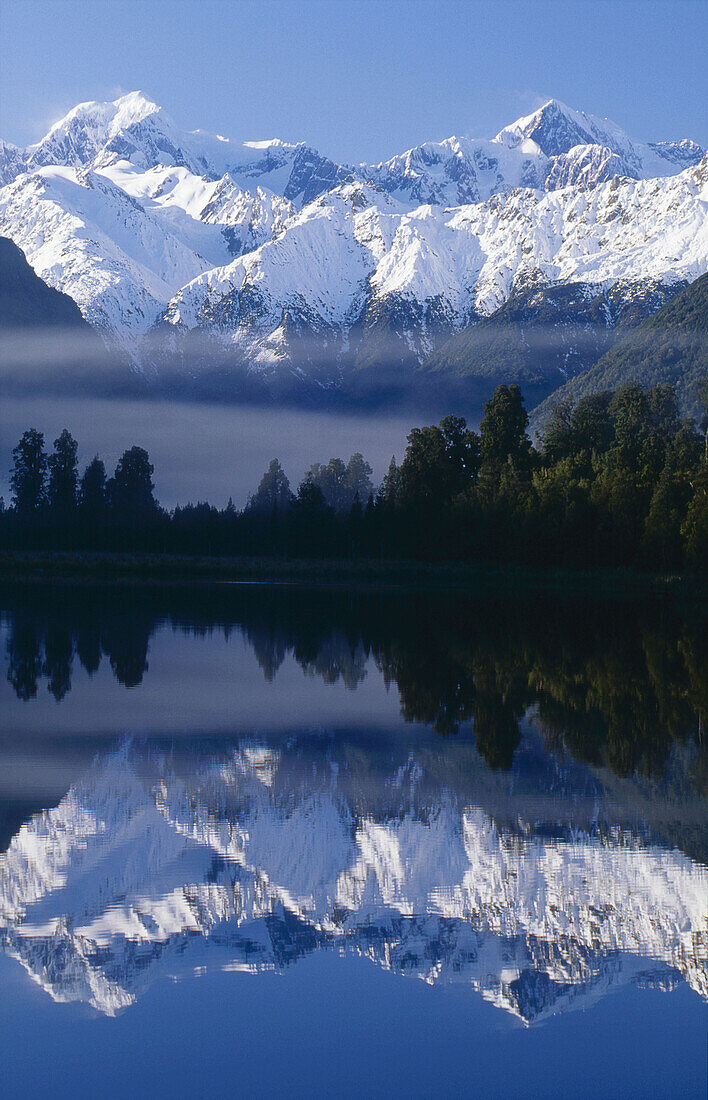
613,479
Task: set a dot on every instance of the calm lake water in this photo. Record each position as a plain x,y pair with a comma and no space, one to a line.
275,840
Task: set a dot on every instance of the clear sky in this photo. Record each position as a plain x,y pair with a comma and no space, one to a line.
358,79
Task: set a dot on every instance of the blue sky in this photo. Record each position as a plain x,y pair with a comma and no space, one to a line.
360,80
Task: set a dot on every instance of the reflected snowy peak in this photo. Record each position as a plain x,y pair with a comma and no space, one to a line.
157,865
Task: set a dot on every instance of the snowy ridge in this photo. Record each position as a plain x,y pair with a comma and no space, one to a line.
136,130
251,861
558,130
333,245
257,242
214,218
459,171
87,237
349,250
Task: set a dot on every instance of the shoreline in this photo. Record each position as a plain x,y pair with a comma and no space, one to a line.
184,569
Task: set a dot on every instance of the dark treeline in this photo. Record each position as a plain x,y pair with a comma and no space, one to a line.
617,479
615,683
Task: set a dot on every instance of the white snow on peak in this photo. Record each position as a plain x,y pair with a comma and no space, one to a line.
556,128
111,116
155,219
87,237
354,245
77,137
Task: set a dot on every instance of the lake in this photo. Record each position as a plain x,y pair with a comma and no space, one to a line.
324,841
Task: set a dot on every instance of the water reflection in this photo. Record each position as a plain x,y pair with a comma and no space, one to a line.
160,863
532,827
616,684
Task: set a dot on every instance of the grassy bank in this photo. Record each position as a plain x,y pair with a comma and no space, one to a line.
165,568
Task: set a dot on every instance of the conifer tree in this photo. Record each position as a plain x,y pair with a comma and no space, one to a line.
503,435
273,493
357,479
131,489
28,479
63,473
92,494
390,489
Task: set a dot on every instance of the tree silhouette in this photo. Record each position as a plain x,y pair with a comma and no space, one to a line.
88,647
341,483
93,486
357,480
63,474
29,473
126,642
24,650
503,429
131,489
390,490
440,462
621,480
629,409
273,493
58,653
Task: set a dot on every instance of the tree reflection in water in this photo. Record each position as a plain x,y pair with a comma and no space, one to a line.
613,682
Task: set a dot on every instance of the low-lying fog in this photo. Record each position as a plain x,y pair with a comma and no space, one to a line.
202,451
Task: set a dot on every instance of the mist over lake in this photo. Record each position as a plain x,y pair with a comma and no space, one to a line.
203,451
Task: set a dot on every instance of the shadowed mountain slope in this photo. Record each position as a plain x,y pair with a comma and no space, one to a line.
26,301
670,347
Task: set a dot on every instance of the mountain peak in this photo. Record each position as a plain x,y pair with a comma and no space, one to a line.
76,138
557,128
160,207
136,99
109,116
134,107
553,106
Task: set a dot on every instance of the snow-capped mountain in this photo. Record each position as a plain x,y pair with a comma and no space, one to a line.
459,171
252,859
89,238
286,257
357,254
559,131
133,130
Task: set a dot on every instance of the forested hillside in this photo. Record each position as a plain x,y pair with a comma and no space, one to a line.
540,337
670,347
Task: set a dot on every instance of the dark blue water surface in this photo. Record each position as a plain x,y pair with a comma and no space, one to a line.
261,840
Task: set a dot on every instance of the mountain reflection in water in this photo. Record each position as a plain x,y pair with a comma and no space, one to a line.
541,839
256,857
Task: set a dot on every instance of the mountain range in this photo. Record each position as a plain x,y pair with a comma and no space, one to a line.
446,268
